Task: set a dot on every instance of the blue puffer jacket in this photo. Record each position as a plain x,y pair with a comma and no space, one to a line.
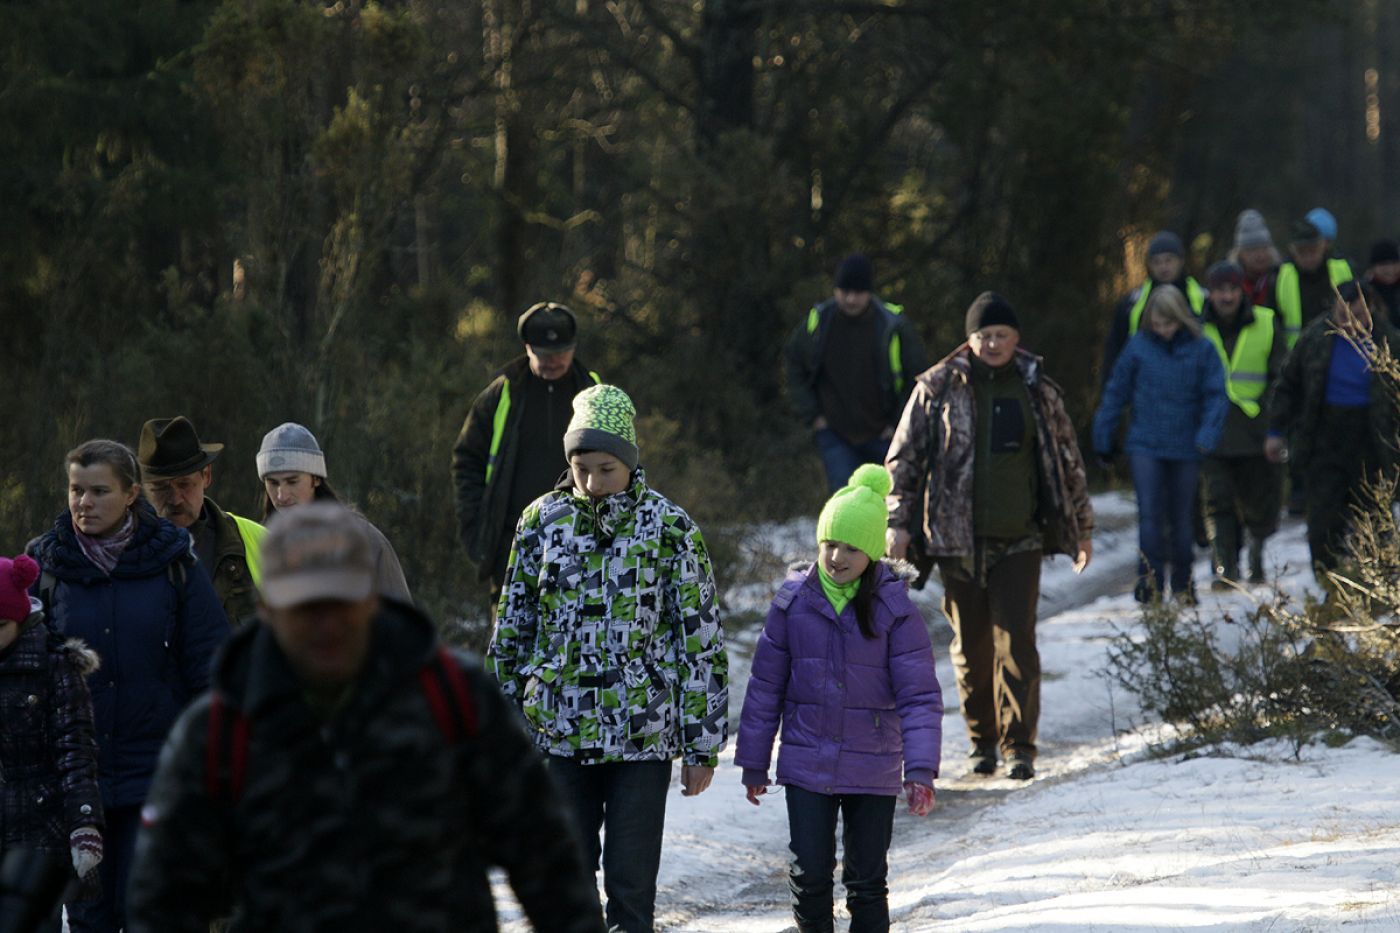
854,710
1177,392
154,623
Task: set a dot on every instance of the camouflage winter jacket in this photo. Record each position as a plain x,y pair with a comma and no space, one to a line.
931,461
608,632
48,747
371,820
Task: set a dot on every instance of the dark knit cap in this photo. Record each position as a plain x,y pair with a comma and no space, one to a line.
1164,241
1225,272
855,274
548,326
1304,231
1384,251
989,310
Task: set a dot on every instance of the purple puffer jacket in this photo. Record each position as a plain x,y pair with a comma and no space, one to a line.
853,709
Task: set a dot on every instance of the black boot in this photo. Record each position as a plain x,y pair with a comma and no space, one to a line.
1225,551
1256,559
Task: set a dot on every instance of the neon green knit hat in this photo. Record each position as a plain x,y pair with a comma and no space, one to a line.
603,421
855,514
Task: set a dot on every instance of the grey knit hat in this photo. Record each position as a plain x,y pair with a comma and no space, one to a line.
1251,230
290,448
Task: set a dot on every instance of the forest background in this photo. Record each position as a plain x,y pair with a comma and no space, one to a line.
256,211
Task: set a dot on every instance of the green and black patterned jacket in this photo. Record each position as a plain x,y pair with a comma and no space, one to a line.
608,631
370,820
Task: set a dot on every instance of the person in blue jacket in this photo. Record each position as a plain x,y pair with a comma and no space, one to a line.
1172,378
125,582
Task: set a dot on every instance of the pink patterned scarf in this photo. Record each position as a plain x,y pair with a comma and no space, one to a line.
105,552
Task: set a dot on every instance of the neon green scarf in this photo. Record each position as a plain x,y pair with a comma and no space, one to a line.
838,594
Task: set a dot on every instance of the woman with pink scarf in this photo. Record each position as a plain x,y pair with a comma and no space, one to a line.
125,582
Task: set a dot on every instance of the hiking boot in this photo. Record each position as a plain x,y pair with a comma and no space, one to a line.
1145,592
1256,561
1020,768
984,760
1185,596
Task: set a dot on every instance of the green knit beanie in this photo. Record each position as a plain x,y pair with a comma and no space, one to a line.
603,421
856,514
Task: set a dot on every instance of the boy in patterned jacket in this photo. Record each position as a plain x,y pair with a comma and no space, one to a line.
608,638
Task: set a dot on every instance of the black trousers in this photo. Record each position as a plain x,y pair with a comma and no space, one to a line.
1343,455
867,826
627,800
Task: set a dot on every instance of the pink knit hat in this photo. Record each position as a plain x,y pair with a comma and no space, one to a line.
15,578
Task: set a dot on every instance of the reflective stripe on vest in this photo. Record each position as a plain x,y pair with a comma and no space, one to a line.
1288,294
896,357
252,534
1247,369
498,424
1194,294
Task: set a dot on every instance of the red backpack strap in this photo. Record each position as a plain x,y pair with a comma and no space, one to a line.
449,696
226,751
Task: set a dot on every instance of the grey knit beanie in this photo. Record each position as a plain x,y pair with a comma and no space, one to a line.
1251,230
290,448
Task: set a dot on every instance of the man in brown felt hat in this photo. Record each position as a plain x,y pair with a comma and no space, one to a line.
510,450
176,471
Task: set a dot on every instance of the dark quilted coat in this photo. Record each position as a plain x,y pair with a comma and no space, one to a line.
154,623
48,754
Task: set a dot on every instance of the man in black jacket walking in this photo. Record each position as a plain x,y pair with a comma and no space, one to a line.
347,772
510,450
851,364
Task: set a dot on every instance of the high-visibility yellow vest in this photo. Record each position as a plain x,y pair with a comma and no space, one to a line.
252,534
1288,294
498,424
1194,294
896,359
1247,368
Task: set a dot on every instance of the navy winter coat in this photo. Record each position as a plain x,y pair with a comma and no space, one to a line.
854,710
1177,392
154,623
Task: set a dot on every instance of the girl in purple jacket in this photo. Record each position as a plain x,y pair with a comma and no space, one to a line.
845,663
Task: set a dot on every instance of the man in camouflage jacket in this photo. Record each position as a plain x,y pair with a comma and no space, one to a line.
350,809
608,637
987,479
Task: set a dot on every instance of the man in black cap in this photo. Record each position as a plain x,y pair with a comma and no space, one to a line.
1166,265
510,450
176,472
851,365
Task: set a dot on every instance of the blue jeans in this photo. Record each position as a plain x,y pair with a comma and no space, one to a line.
1166,499
840,457
868,825
626,799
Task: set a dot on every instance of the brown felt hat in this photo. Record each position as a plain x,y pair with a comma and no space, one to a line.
171,447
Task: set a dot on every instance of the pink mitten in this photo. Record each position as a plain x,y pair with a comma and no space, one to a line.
920,798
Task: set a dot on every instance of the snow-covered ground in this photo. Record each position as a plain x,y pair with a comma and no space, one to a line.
1107,837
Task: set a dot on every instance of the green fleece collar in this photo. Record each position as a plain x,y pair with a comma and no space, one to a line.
838,594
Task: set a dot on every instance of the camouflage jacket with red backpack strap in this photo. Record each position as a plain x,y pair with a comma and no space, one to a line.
384,814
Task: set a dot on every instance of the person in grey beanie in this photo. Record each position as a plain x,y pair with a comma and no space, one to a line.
1166,265
292,468
1254,250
